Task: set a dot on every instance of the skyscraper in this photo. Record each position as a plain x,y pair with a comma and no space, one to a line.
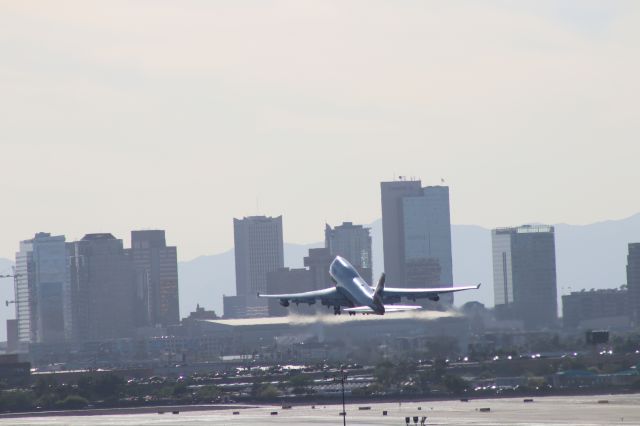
258,251
156,266
416,229
633,281
393,226
524,274
102,288
353,242
318,261
42,293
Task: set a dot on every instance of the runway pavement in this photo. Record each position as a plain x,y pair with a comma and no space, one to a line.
583,411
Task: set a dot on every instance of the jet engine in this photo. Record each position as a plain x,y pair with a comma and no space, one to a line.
284,302
435,298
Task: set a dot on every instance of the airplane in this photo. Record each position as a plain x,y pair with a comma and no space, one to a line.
357,296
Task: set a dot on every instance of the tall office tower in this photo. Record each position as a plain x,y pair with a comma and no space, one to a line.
416,228
524,274
42,290
156,266
353,242
318,261
258,251
393,194
633,281
12,335
102,288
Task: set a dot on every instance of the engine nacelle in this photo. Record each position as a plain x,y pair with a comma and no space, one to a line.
284,302
435,298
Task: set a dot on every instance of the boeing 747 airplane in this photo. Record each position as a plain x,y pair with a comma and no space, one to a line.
357,296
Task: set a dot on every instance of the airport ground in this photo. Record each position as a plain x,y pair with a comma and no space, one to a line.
581,411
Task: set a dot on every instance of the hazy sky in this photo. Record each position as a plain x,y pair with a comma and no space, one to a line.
182,115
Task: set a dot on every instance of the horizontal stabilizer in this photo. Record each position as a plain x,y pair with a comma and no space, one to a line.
387,308
400,308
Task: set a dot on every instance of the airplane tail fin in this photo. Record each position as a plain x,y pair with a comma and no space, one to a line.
380,286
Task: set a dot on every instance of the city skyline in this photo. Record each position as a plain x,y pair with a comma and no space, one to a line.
504,100
215,206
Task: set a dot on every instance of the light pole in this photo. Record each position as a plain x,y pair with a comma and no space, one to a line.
343,376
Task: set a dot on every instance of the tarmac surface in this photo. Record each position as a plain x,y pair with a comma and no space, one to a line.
581,410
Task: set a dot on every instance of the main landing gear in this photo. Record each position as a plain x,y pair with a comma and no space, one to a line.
336,310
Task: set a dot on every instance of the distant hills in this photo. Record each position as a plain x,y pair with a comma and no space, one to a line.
206,279
588,256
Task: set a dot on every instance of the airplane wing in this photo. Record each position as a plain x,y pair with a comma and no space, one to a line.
420,293
327,296
387,308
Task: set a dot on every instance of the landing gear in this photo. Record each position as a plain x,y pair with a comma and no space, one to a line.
336,310
351,313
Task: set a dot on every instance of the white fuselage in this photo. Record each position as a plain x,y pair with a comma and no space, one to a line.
351,285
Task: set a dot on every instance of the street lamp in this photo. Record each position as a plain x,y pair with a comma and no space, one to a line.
343,377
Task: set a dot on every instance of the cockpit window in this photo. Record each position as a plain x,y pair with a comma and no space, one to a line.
342,272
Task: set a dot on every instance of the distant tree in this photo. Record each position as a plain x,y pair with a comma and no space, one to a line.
16,400
300,383
423,382
180,389
72,402
267,391
300,380
103,386
572,364
455,384
384,374
42,386
207,393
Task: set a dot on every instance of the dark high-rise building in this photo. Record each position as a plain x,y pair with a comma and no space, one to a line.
353,242
102,288
582,306
318,261
234,306
156,266
524,274
633,281
12,335
393,237
42,291
416,229
287,280
258,251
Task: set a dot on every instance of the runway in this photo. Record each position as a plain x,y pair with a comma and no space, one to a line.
583,411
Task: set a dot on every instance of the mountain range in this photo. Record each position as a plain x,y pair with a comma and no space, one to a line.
587,256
